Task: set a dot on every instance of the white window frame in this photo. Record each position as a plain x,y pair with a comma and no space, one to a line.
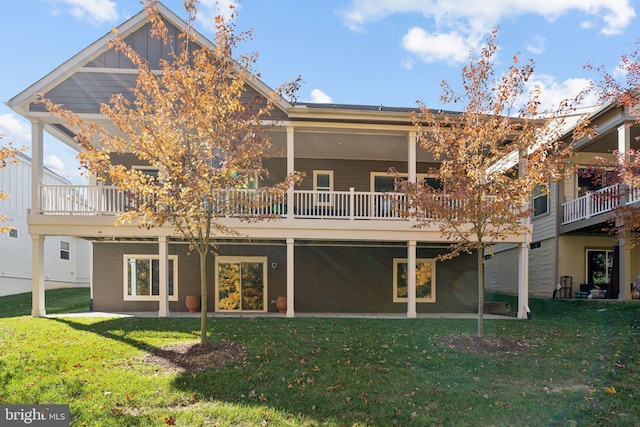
319,198
12,230
240,259
67,250
150,257
431,261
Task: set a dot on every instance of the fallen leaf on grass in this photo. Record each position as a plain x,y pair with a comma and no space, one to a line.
610,390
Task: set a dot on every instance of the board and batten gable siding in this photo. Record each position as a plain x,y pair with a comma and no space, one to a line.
113,73
150,48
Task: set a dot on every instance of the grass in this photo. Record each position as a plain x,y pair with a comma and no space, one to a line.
581,368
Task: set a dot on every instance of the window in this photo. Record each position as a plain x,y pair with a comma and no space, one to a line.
540,201
151,171
142,277
425,280
323,181
65,252
382,182
241,284
599,264
13,233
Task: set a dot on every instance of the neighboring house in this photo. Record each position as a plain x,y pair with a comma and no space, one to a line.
569,224
66,259
337,248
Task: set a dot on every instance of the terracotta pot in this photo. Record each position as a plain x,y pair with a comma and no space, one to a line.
193,303
281,304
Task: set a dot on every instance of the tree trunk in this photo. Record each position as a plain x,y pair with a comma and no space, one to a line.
480,291
203,297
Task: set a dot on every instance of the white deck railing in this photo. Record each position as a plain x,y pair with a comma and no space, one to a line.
596,203
109,200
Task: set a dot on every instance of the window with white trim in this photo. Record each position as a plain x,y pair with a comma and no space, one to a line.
142,277
323,181
540,201
241,283
383,182
425,280
65,250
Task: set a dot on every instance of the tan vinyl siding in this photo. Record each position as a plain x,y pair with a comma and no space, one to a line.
545,226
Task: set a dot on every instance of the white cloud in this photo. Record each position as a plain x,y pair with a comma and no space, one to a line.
537,45
54,163
552,93
320,97
92,11
451,48
209,9
613,15
14,130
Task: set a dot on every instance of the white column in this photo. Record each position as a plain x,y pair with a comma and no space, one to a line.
37,276
290,278
411,280
624,265
290,169
163,254
412,159
37,134
523,279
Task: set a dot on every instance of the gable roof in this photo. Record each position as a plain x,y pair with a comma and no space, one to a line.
21,103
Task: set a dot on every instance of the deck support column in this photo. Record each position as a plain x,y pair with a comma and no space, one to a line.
37,164
290,278
624,278
412,162
290,170
37,276
163,255
411,279
523,280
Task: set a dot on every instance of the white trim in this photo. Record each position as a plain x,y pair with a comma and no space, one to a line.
125,278
419,261
318,200
236,260
67,250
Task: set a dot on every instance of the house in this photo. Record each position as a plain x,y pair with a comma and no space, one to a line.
570,244
337,248
66,258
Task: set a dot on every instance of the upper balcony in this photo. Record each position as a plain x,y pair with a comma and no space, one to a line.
596,203
96,200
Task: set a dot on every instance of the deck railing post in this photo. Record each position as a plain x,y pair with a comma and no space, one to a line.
352,202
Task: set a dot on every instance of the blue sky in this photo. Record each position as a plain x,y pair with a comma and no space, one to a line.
390,52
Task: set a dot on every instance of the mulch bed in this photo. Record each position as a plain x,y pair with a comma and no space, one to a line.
485,345
187,357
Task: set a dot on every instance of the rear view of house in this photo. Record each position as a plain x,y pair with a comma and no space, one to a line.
340,243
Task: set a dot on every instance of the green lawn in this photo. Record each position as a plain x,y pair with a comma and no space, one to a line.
581,368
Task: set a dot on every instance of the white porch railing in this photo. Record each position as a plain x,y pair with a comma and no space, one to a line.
109,200
595,203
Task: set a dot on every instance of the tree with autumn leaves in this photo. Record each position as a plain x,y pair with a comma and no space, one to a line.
193,123
493,155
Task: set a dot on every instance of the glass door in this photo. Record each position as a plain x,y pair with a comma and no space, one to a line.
241,284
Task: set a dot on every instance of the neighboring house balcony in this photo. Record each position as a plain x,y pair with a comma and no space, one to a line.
590,209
